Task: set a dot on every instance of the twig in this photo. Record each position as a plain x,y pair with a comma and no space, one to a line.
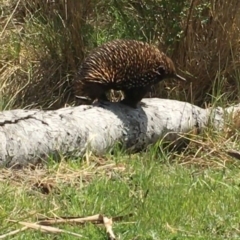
47,228
13,232
108,225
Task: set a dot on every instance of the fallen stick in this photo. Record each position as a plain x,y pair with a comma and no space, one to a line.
30,136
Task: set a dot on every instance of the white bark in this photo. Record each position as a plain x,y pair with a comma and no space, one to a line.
27,136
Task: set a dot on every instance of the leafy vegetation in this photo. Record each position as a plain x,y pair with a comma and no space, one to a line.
193,194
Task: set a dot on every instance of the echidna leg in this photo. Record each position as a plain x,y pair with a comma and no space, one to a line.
103,97
134,96
95,91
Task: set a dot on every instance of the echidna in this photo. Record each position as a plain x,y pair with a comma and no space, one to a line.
128,65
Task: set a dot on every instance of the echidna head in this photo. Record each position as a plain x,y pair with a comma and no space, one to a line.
172,70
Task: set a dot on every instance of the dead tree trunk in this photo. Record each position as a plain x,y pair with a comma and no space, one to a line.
30,136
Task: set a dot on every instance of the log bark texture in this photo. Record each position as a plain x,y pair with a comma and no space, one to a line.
30,136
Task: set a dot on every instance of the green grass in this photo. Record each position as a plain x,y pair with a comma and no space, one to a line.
167,199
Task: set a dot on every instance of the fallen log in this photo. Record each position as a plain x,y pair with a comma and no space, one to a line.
30,136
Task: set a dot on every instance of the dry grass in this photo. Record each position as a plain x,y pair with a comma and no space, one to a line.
209,150
42,45
209,49
43,42
46,180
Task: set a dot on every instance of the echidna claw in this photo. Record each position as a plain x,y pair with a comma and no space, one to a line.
99,102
